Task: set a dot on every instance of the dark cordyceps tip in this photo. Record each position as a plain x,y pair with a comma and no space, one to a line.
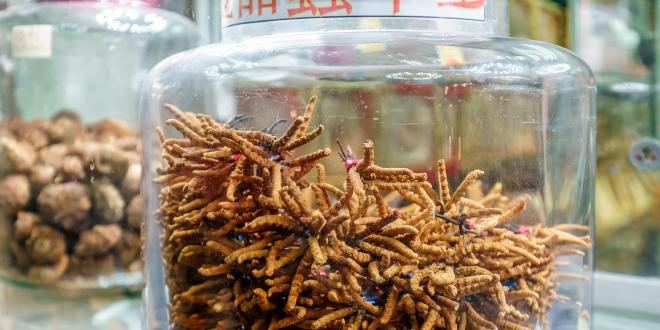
238,119
273,127
345,154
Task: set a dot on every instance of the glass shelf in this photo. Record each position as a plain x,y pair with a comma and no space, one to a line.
626,302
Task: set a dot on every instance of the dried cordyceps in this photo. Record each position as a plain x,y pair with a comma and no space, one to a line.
66,187
248,241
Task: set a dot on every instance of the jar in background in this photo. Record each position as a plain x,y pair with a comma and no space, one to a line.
70,176
391,165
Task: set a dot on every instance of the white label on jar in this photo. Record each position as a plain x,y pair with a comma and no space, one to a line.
32,41
237,12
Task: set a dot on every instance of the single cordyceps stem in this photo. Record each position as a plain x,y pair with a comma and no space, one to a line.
248,238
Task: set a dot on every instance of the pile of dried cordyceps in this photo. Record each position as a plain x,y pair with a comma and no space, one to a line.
70,194
248,241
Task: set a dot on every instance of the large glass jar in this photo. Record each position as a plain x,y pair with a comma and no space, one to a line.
71,73
369,164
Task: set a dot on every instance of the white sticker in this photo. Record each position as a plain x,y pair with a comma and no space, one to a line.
236,12
32,41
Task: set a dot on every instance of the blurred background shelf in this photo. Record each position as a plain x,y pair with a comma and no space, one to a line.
24,308
626,302
542,20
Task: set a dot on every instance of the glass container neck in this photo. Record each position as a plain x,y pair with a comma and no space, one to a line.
243,19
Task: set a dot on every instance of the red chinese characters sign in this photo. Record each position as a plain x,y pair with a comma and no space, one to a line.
469,4
249,11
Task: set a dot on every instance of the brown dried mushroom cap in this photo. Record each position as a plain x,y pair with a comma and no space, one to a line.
36,133
66,204
41,176
53,155
93,266
73,168
129,248
134,213
19,156
108,202
25,222
50,273
20,257
112,129
105,159
46,245
66,127
14,193
130,185
98,240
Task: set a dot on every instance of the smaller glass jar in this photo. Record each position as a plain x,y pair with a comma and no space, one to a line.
70,155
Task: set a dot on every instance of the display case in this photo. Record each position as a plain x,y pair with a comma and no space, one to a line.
389,165
71,73
628,174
